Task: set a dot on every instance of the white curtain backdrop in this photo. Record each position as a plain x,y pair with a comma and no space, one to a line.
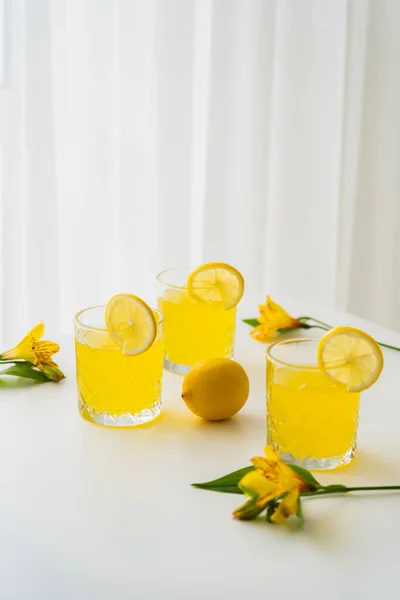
141,134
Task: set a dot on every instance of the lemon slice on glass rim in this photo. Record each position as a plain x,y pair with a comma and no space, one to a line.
350,357
130,323
217,284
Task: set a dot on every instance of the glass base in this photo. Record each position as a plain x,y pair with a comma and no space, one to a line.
176,367
124,419
180,369
319,464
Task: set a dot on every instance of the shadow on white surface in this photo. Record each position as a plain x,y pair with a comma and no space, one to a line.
7,383
175,419
374,464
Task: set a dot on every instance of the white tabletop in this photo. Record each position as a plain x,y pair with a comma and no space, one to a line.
93,513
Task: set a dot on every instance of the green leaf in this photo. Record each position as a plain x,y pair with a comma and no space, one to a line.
306,475
25,369
249,492
337,487
228,484
300,516
289,329
251,322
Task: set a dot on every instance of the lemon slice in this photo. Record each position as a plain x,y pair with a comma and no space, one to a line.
130,323
216,283
350,357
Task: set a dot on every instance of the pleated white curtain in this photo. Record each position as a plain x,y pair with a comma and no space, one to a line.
141,134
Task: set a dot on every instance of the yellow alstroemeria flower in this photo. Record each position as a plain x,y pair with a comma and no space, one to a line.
272,478
276,487
272,318
37,352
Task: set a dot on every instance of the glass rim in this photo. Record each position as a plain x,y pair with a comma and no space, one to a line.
104,329
173,285
290,364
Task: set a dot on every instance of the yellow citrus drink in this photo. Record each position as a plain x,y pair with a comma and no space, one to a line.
193,330
312,420
113,388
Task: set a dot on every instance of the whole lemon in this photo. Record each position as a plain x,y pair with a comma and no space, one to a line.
216,389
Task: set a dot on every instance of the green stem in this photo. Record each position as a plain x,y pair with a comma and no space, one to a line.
7,362
325,492
321,492
319,327
322,325
369,488
389,346
315,321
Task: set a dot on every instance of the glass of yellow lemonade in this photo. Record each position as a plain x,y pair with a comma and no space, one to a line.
311,420
116,388
200,313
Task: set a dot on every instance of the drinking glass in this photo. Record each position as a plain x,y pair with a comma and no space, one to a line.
114,389
193,331
311,420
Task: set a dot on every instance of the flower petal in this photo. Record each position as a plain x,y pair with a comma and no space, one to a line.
272,455
263,333
261,463
254,483
37,332
22,351
274,306
287,507
46,349
270,463
272,318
